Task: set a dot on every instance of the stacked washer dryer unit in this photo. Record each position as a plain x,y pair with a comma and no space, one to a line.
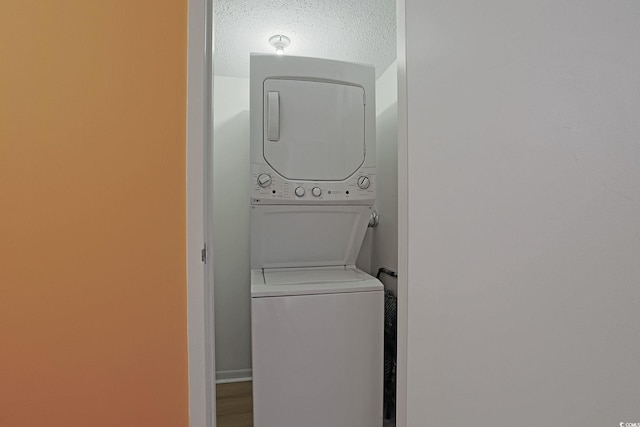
317,320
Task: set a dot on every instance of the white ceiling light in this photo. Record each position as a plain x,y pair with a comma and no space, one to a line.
279,42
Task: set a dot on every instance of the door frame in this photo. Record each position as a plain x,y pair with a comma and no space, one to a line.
199,169
403,209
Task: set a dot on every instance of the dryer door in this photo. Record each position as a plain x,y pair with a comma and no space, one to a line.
313,131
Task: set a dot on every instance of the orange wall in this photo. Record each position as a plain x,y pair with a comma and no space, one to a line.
92,213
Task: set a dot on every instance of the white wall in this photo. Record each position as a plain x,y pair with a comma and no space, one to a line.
380,246
231,227
524,212
384,238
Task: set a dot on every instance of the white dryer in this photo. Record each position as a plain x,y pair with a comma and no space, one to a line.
313,131
317,320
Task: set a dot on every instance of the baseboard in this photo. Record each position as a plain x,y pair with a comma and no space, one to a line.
237,376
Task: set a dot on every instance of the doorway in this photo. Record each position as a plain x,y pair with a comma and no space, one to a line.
363,32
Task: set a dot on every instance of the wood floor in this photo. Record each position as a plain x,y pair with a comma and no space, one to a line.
234,404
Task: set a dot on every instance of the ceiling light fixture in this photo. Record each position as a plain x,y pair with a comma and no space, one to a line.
279,42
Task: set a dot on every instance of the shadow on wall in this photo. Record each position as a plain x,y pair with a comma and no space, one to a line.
231,247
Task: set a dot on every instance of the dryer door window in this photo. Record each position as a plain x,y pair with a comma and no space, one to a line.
313,130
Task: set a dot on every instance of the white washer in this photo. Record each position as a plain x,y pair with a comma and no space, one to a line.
317,347
317,321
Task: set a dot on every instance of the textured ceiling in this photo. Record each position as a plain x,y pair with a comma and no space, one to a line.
348,30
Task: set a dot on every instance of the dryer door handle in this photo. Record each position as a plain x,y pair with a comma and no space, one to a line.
273,116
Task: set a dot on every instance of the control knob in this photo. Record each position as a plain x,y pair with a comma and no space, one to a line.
299,191
264,180
364,182
316,191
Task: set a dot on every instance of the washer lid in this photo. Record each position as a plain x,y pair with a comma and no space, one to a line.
311,281
306,236
313,130
288,276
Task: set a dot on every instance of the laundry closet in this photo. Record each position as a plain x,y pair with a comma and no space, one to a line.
290,226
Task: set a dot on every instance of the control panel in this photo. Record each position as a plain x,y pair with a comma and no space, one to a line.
269,188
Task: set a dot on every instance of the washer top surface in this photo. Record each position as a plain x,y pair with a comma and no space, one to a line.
311,281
